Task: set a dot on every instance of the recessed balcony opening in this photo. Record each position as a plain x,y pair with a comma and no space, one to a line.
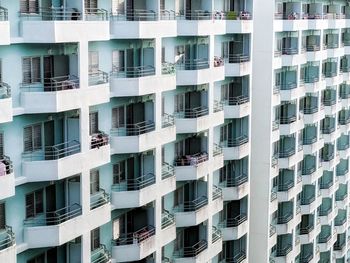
135,10
306,252
344,117
236,48
287,147
329,96
234,173
310,134
345,37
235,133
309,165
235,250
133,58
326,207
343,167
96,76
288,11
98,196
325,234
285,212
309,72
234,213
191,151
286,78
340,244
327,152
331,39
233,9
133,119
236,92
341,193
287,112
306,225
56,138
7,237
333,11
54,204
343,142
341,217
285,180
287,43
191,102
284,245
98,138
196,10
344,91
311,40
309,104
93,10
345,64
330,68
192,241
308,194
328,125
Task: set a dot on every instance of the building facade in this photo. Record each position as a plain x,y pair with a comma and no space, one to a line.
125,130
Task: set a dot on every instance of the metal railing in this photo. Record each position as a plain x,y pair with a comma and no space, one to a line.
310,110
3,14
306,258
284,251
308,141
313,48
344,120
288,86
340,196
167,15
237,100
338,245
290,51
287,120
55,217
304,230
235,221
54,13
235,181
192,251
100,255
193,205
272,230
307,200
342,171
237,58
53,84
133,72
326,185
98,77
136,237
324,211
5,90
134,15
98,199
191,160
285,186
195,15
310,79
135,129
329,74
7,166
7,238
98,140
285,153
340,221
284,219
326,157
216,234
238,257
217,150
324,238
53,152
217,192
167,170
330,45
329,102
218,106
328,130
96,14
308,170
237,141
167,219
167,120
135,184
168,68
193,64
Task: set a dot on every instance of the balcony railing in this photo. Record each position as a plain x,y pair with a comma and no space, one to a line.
328,130
191,160
134,15
326,157
168,68
52,14
304,230
289,51
330,101
237,100
192,113
306,257
329,74
237,141
313,48
192,206
136,237
272,230
308,141
306,200
54,152
100,255
324,211
192,251
167,219
324,238
238,257
7,238
344,120
98,140
96,14
135,184
235,221
3,14
339,245
284,251
310,110
217,192
235,180
216,234
167,120
284,219
98,77
193,64
55,217
287,119
6,166
285,186
340,196
308,170
237,58
289,86
52,84
339,221
217,150
285,153
167,170
5,90
99,199
218,106
326,185
135,129
133,72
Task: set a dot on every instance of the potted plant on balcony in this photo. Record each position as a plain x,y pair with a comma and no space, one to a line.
231,15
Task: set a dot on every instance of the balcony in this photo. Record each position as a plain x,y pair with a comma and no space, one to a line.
313,115
142,24
168,228
234,228
168,183
134,138
135,192
284,251
237,107
191,167
216,241
234,21
192,213
7,245
237,65
289,125
325,241
192,254
197,119
57,24
236,148
326,214
98,199
311,144
287,190
339,249
287,157
235,187
53,162
100,255
99,153
197,71
5,100
7,178
142,80
134,246
308,204
61,226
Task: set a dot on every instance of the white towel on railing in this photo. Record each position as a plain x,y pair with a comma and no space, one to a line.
2,169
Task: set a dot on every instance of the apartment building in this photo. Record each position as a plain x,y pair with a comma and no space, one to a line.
300,132
125,130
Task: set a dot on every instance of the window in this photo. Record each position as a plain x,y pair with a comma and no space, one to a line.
32,138
223,133
180,102
225,49
91,4
119,172
93,62
2,216
93,120
118,60
29,6
95,239
94,181
118,117
31,70
180,148
34,203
